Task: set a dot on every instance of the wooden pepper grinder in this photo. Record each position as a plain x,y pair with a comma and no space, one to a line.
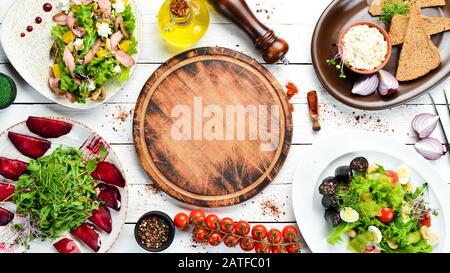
272,48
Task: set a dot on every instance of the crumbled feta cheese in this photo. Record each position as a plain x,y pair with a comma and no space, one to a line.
64,5
364,47
78,44
91,85
117,69
119,6
104,30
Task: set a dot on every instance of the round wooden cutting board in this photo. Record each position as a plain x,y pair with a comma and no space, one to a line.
212,127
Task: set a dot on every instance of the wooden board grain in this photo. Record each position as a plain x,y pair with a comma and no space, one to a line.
201,170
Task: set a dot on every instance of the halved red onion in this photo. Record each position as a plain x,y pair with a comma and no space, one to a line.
365,86
431,148
388,83
424,124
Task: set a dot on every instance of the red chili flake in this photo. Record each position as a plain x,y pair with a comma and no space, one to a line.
292,90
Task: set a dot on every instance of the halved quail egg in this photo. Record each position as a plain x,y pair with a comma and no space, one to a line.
349,215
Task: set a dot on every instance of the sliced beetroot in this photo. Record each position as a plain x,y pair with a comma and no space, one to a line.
6,192
109,174
11,168
5,216
48,128
66,245
88,235
102,218
110,195
92,148
29,146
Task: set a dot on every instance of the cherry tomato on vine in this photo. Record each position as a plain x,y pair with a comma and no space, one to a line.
262,248
196,216
246,244
215,238
393,176
294,248
200,234
242,228
212,222
274,236
277,249
387,215
426,221
227,225
181,220
231,241
259,232
290,234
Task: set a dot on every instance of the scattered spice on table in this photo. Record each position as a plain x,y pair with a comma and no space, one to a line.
270,208
122,114
153,232
155,189
291,91
332,117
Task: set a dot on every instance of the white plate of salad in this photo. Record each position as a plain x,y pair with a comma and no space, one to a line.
62,188
77,53
363,192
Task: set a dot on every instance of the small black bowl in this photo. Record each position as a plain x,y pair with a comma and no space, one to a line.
162,216
13,91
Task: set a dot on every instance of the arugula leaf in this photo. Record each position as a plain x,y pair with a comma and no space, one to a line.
58,192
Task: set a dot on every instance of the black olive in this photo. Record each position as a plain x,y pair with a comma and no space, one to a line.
359,164
332,217
344,174
329,201
329,186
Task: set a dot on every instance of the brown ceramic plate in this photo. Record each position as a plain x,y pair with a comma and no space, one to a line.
337,16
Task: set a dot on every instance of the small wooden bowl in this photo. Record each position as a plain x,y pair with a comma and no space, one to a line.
386,36
162,216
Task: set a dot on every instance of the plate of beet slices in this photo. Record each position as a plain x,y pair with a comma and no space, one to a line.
37,137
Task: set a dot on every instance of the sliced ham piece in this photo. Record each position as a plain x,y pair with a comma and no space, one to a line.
118,25
53,83
105,7
69,61
115,39
91,54
125,59
54,86
78,31
60,18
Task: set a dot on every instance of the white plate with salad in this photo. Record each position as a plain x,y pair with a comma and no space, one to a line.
365,192
62,188
77,53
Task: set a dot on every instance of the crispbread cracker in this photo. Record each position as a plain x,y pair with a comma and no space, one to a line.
432,25
419,55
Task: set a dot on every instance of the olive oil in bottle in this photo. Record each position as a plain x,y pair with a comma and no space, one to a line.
183,22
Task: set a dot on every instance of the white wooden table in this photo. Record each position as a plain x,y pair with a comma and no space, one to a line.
292,20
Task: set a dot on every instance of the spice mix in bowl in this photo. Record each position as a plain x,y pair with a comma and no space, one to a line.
154,231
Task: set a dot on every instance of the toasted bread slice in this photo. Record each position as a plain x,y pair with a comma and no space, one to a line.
419,55
376,7
432,25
